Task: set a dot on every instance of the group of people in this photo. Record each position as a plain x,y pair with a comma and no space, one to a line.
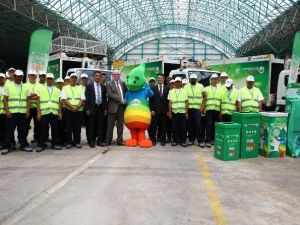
62,106
180,113
185,113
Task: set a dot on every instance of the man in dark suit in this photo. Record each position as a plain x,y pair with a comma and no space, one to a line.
96,109
159,107
116,105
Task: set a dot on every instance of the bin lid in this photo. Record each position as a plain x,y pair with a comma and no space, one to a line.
228,125
274,114
245,114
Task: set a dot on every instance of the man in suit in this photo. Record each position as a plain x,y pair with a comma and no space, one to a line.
116,105
159,107
95,105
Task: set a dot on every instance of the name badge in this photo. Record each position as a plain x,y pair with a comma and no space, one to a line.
49,102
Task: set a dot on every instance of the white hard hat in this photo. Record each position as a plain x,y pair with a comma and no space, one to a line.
2,75
73,75
42,72
59,80
250,78
214,76
11,69
184,81
31,72
50,75
151,78
67,77
172,81
228,83
193,76
19,73
224,74
178,79
84,75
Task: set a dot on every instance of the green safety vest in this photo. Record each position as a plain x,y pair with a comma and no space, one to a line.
33,88
194,95
249,100
49,102
2,111
73,94
17,99
213,99
229,98
178,101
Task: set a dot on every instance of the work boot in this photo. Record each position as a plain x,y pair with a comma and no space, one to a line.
190,143
56,147
174,144
26,149
39,149
202,145
68,146
207,145
184,144
5,151
77,146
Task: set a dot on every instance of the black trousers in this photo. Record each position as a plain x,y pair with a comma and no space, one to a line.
226,118
36,124
104,128
111,119
46,121
179,127
62,130
194,126
73,126
2,129
158,127
212,116
85,121
169,129
95,125
18,120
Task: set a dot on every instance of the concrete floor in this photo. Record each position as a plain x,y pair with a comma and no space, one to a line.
132,186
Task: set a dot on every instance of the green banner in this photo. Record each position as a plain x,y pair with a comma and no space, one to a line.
295,59
152,70
39,49
54,67
238,72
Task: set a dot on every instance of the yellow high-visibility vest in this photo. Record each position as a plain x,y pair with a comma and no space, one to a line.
178,100
73,94
17,99
213,98
229,98
250,99
49,102
194,95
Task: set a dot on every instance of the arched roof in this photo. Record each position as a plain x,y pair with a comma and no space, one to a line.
227,24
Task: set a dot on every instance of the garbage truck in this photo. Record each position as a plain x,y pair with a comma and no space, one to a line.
268,72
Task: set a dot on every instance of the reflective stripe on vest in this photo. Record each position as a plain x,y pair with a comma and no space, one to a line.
73,94
33,88
194,95
213,101
17,99
178,102
249,100
49,102
228,105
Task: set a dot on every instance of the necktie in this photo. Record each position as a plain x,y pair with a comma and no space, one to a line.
119,90
160,90
98,94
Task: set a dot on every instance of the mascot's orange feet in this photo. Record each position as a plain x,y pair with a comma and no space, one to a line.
131,143
145,143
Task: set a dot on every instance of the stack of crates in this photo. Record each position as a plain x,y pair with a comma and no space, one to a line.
227,141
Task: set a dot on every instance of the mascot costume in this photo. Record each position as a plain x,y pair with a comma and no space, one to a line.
137,115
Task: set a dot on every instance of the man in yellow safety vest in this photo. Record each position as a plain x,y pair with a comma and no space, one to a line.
73,98
2,111
229,103
178,112
250,98
195,92
16,99
212,101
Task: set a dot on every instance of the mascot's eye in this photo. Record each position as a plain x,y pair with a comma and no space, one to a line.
137,77
127,76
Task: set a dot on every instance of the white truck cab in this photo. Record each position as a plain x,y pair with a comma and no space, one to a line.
202,74
283,80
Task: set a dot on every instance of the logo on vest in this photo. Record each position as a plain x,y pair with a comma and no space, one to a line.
135,102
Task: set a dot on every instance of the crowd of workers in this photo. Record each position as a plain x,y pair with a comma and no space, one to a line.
182,111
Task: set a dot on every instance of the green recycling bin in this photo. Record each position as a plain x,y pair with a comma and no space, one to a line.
249,133
227,141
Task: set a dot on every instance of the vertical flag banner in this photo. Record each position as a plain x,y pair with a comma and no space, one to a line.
39,49
295,59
